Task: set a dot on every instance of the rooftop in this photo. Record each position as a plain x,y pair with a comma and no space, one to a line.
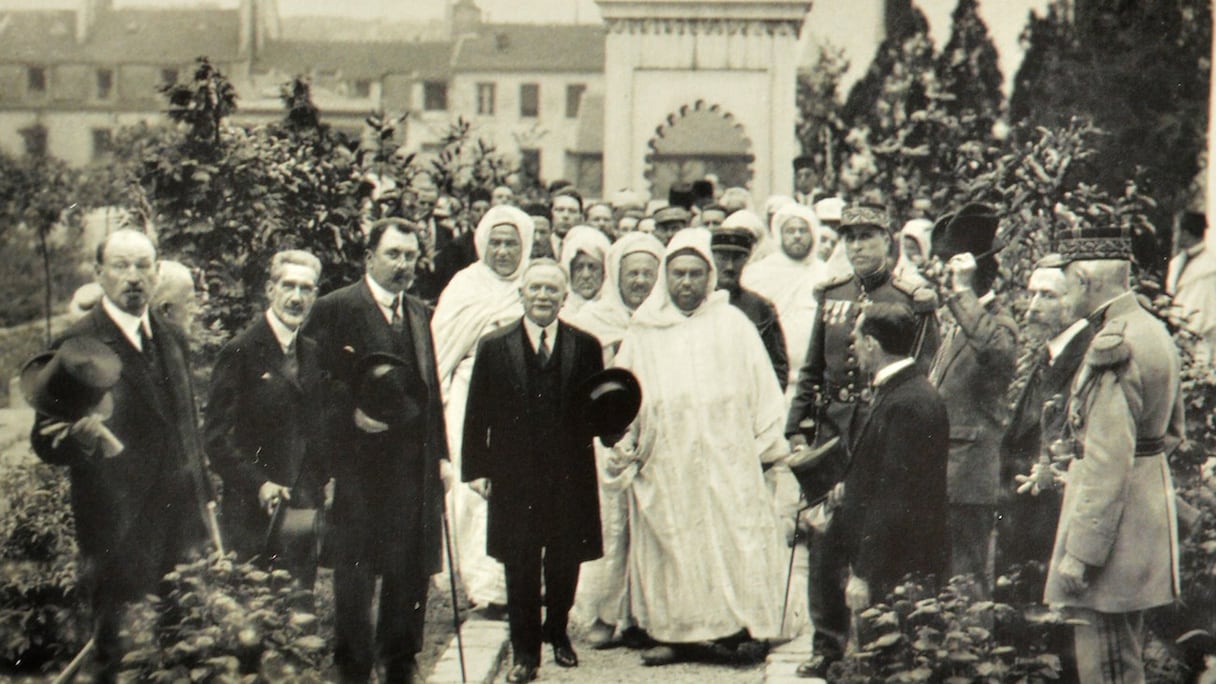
369,60
532,47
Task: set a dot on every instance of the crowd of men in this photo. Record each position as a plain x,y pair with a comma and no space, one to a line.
806,373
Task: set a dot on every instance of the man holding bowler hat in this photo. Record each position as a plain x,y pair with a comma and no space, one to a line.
527,452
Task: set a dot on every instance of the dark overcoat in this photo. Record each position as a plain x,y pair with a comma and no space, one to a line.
264,425
137,512
892,519
541,495
972,371
388,499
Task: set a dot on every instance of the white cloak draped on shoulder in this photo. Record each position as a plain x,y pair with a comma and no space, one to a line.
790,285
475,303
707,558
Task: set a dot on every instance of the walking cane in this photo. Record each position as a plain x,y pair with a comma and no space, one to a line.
789,572
69,672
447,545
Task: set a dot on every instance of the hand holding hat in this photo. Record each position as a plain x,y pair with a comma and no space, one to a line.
72,386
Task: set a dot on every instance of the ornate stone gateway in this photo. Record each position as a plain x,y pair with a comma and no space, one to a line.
700,86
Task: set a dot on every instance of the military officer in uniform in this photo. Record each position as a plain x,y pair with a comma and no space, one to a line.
832,392
1116,552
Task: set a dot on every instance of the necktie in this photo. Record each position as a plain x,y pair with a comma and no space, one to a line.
147,346
542,349
397,322
291,363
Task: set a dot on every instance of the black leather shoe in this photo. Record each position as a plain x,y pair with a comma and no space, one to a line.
521,672
815,668
564,655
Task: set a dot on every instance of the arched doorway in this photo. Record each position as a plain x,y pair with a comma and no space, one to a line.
697,141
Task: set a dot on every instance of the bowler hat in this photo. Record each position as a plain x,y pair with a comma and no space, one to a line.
388,389
703,192
607,402
70,382
972,229
681,195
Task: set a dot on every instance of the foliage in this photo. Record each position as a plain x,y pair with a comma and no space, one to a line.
820,129
220,621
41,609
1139,71
40,225
466,163
968,71
919,636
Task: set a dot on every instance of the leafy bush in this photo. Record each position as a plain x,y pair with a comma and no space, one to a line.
918,636
43,617
220,621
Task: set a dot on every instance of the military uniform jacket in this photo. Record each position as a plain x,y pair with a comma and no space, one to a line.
763,315
1125,413
972,371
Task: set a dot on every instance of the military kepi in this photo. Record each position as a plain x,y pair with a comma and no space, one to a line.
864,214
1085,242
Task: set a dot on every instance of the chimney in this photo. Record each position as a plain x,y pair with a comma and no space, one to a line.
466,18
87,16
248,27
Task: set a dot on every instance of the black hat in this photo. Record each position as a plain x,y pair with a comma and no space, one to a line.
703,192
388,390
538,209
972,229
803,162
479,195
607,402
70,382
559,185
732,240
1193,223
681,195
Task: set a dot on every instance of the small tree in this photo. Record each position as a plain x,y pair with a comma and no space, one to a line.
969,74
820,129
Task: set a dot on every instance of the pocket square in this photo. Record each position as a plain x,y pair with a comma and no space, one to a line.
348,348
266,375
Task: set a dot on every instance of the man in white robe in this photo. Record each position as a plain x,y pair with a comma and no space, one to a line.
706,556
787,278
1191,281
583,252
602,599
480,299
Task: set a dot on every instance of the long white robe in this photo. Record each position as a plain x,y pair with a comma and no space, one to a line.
603,586
706,556
790,285
475,303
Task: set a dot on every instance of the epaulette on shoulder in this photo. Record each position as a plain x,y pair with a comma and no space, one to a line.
924,299
1108,348
833,281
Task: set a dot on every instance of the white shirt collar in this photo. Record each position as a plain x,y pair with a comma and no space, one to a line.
128,324
884,374
1056,344
285,336
534,334
386,300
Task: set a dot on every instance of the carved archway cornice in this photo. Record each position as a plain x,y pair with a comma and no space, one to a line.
673,119
704,27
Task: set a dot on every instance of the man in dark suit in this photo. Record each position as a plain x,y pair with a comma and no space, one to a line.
390,479
1055,344
524,452
972,371
891,517
732,248
138,511
265,415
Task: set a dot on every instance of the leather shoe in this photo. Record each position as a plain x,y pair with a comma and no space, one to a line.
815,668
521,672
564,655
659,655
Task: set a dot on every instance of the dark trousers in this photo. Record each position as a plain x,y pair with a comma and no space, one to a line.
972,544
827,574
401,616
524,601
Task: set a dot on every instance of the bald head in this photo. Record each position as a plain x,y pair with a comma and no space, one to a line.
126,270
174,294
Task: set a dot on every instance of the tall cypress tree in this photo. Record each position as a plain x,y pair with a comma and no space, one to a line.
1139,71
968,73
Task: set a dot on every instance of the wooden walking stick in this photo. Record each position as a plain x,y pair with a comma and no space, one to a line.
69,672
447,545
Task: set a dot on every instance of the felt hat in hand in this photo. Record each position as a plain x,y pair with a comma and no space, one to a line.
607,402
70,382
388,389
